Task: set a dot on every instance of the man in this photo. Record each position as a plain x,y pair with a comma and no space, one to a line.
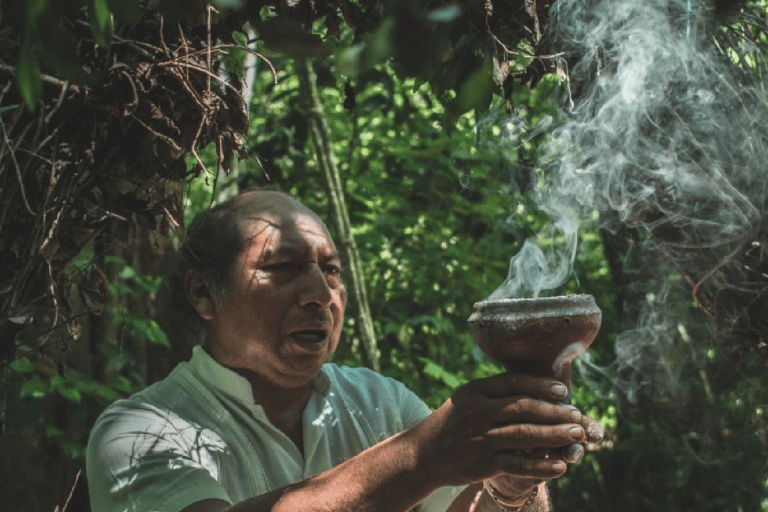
259,421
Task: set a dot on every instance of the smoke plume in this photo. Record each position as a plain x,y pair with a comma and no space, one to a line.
666,132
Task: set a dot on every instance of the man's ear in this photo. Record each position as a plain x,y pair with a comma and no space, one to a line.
200,294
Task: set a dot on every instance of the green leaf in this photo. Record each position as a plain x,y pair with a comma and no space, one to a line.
22,365
348,60
228,4
476,92
149,329
71,394
121,383
28,77
127,11
72,449
119,289
61,52
290,40
149,283
33,9
68,386
35,387
52,431
240,38
127,273
114,259
375,48
436,371
102,22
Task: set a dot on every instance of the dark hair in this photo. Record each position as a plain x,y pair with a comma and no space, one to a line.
212,243
210,246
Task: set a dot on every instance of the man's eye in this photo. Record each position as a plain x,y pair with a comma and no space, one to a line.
333,270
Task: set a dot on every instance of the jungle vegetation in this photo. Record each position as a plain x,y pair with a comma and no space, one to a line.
416,131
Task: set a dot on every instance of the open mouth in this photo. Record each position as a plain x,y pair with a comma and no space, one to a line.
310,336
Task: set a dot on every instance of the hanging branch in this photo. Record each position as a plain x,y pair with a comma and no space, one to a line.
326,160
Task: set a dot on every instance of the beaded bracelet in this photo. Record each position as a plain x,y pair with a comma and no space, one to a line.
506,508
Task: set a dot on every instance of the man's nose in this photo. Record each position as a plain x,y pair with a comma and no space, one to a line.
314,288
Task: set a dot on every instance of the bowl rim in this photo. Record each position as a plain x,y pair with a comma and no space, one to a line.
570,302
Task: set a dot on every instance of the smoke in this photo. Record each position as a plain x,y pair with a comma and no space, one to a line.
536,269
659,130
663,134
532,271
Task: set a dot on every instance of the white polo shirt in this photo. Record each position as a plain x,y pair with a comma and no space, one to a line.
198,434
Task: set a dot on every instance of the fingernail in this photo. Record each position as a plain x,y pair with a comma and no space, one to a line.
576,432
576,416
559,391
573,453
595,432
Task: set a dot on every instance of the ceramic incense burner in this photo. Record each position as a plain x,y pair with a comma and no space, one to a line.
537,336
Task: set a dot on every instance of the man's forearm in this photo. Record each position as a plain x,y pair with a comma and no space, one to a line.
383,477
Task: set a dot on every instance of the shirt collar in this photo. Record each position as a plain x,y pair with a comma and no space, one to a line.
234,384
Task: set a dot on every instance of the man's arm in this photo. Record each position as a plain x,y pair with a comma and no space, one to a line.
488,431
383,477
472,499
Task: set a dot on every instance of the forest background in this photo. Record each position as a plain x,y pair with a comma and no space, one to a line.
424,154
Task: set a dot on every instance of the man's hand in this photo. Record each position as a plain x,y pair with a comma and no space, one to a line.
516,488
509,429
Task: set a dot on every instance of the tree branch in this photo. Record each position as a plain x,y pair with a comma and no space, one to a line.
326,160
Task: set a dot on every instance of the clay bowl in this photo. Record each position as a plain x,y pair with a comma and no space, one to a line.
536,336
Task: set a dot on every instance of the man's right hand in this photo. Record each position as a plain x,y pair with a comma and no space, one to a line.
509,427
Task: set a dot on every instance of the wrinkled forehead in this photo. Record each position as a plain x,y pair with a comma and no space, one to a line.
273,218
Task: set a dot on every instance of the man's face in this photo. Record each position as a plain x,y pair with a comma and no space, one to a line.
280,317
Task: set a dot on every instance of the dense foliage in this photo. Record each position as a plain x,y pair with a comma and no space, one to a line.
439,202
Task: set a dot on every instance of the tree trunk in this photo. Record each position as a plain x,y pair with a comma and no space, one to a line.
326,160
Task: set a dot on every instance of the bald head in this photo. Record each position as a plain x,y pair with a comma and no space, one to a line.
250,206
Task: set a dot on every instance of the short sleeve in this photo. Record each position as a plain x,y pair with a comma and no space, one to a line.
384,405
143,459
